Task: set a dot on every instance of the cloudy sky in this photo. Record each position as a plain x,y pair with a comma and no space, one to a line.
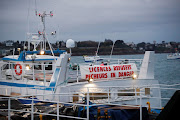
128,20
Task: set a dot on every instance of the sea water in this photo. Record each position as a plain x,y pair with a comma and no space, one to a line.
165,71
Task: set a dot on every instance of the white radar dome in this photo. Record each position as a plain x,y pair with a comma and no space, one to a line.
70,43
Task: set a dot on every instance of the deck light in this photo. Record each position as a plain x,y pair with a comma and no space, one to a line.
27,67
134,76
42,52
90,80
19,49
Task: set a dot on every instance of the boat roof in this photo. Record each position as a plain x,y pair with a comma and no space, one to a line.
32,56
29,58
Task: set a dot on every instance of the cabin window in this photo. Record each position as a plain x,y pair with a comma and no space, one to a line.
48,66
37,67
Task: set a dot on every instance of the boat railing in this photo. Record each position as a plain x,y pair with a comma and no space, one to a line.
112,61
115,61
57,104
26,71
87,95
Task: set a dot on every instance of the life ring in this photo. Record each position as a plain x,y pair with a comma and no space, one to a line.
20,67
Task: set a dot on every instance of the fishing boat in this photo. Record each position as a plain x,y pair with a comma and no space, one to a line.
173,56
93,58
37,68
33,77
121,84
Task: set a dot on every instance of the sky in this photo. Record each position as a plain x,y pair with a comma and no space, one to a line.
129,20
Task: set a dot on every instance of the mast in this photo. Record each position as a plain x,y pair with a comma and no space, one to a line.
98,48
43,33
112,50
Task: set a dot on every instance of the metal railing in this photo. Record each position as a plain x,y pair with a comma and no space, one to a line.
89,93
33,112
26,71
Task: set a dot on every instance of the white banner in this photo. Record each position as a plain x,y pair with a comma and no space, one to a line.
107,71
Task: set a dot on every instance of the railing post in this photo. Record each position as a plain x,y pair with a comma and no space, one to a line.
26,91
160,97
33,73
108,94
32,109
6,91
12,71
87,100
44,73
9,109
77,74
36,91
57,111
136,95
43,92
140,106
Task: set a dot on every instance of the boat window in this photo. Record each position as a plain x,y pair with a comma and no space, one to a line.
8,66
37,67
48,66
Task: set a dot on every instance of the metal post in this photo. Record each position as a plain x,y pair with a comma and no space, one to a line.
160,97
33,73
108,94
9,109
6,91
43,93
12,71
1,69
11,90
87,103
136,95
77,74
32,109
44,73
57,111
26,91
20,90
36,91
140,106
